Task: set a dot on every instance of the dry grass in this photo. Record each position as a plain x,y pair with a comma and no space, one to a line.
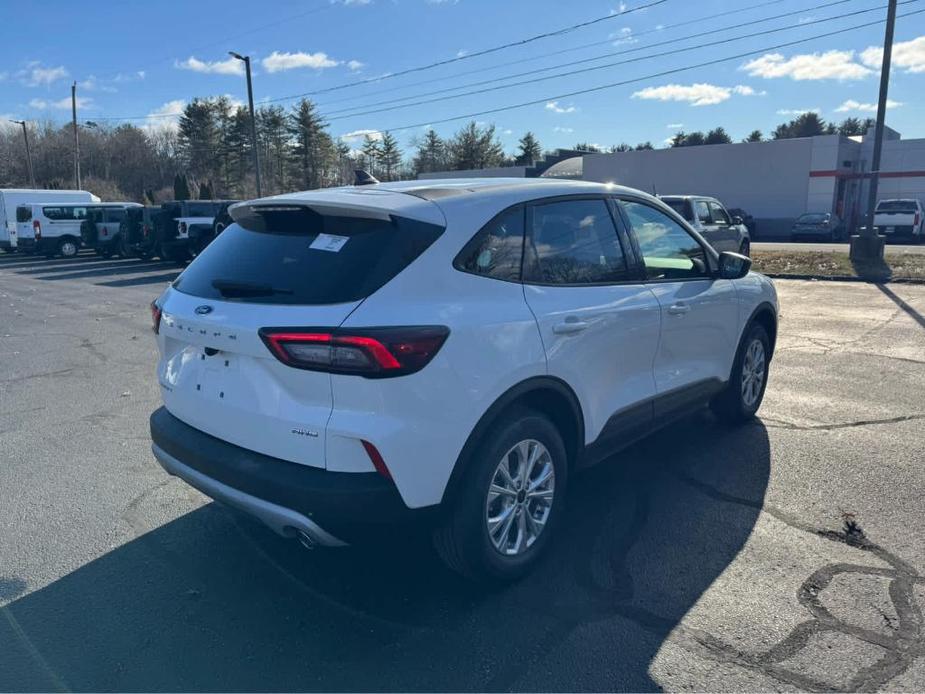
835,264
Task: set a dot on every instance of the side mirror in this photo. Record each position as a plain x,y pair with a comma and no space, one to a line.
733,266
738,220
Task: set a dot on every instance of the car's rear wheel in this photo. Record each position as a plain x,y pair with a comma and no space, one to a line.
742,396
67,248
509,502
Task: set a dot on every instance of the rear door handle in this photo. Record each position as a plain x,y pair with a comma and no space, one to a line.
679,309
569,327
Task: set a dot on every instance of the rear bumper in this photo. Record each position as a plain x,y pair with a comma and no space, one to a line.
891,231
333,508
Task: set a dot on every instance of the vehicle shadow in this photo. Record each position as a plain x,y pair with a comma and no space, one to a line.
213,601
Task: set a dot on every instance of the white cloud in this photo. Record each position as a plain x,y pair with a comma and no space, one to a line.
3,76
35,75
909,55
61,104
623,36
797,111
351,2
674,126
166,116
231,66
277,62
699,94
462,53
831,65
745,90
93,84
555,108
852,105
358,136
355,64
560,129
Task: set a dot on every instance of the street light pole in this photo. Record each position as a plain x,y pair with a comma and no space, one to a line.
76,136
869,245
25,136
250,103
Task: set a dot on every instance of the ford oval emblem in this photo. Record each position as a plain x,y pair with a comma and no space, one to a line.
203,310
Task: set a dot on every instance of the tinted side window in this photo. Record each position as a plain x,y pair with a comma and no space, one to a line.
682,207
23,213
57,213
574,242
719,214
668,251
496,251
114,215
703,211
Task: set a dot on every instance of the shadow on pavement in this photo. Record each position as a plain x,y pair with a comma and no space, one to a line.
213,601
911,312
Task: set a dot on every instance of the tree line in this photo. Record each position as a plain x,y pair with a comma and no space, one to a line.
209,152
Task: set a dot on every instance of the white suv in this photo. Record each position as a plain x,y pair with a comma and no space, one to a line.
341,361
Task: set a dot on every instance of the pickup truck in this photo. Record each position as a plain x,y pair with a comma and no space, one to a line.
900,218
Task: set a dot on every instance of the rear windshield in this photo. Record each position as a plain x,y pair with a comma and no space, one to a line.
681,207
201,209
896,206
23,213
302,257
813,218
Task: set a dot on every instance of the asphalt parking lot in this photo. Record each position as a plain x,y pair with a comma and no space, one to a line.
785,555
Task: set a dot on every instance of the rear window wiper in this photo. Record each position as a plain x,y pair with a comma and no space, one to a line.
230,288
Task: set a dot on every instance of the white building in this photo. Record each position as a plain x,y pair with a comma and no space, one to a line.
774,181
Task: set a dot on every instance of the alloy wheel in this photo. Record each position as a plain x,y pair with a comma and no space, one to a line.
753,368
520,497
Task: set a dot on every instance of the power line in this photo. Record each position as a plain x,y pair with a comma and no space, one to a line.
345,113
622,83
561,51
484,51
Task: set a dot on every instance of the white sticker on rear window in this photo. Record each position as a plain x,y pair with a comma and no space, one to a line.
329,242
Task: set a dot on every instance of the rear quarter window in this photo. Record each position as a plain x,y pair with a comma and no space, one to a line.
302,257
23,214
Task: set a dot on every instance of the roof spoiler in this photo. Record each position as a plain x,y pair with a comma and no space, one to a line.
363,178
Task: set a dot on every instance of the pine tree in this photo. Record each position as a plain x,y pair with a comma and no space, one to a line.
389,156
431,155
530,149
807,124
274,147
754,136
312,151
181,187
371,153
622,147
475,148
717,136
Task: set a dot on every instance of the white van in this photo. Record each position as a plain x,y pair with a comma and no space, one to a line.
55,228
11,198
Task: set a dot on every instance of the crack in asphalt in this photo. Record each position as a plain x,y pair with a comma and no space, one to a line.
792,426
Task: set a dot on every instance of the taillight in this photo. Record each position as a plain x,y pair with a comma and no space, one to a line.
916,222
145,230
155,317
369,352
37,229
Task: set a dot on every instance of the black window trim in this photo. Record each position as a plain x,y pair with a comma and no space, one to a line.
709,252
629,259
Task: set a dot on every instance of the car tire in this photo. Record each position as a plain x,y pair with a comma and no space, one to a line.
487,551
742,396
68,248
745,247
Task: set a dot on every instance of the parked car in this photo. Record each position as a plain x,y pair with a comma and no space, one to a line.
101,230
138,231
12,198
750,222
340,361
900,219
183,226
823,226
708,216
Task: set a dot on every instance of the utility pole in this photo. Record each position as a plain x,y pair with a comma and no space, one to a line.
250,103
25,136
869,245
76,136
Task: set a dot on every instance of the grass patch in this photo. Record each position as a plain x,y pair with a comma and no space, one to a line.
837,264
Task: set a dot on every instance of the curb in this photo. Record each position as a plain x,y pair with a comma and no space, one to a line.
845,278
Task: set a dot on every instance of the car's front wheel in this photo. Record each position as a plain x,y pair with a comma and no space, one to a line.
742,396
509,502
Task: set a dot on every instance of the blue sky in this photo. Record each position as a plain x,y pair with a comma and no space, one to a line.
142,60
